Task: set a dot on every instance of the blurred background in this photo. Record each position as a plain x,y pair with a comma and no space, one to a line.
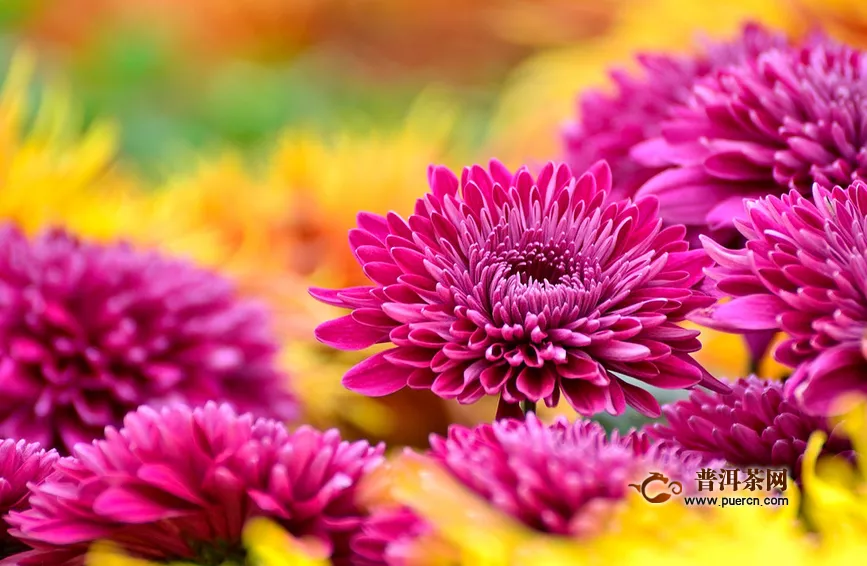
246,135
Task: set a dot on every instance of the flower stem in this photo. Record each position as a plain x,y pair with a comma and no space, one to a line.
528,407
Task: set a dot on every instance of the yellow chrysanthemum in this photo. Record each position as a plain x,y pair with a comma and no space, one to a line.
835,500
266,543
541,94
468,531
281,228
843,19
50,173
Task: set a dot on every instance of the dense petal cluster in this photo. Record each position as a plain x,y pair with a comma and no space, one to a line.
505,284
553,479
803,271
754,425
548,476
89,332
181,483
611,124
784,120
20,464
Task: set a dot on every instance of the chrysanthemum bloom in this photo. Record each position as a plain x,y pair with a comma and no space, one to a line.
610,125
785,120
751,426
556,479
834,491
53,170
20,464
801,272
522,287
180,484
90,332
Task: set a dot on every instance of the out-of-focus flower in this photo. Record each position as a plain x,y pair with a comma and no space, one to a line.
557,479
521,287
843,19
266,543
788,119
466,530
541,92
90,332
551,477
182,483
801,272
50,172
21,464
290,230
834,489
610,125
751,426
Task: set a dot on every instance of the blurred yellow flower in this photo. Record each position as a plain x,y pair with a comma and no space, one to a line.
266,543
843,19
282,227
541,94
50,172
835,500
835,491
468,531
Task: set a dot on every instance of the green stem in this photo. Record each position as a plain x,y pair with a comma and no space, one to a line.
528,407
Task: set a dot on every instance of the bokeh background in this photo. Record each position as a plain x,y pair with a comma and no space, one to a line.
246,135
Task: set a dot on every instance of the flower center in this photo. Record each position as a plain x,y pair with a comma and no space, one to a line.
543,262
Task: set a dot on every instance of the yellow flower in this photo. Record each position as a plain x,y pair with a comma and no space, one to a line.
51,173
541,93
282,227
843,19
835,490
835,500
468,531
266,543
110,554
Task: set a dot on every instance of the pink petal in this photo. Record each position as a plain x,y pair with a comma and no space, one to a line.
752,312
131,506
376,376
345,333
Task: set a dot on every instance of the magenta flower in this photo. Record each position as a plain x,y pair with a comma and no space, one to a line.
546,475
387,537
90,332
753,426
803,272
611,124
553,478
784,120
180,484
20,464
507,285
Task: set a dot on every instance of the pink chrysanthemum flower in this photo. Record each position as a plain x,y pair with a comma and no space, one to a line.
787,119
89,332
753,426
802,272
555,478
21,464
388,536
179,484
611,124
505,284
